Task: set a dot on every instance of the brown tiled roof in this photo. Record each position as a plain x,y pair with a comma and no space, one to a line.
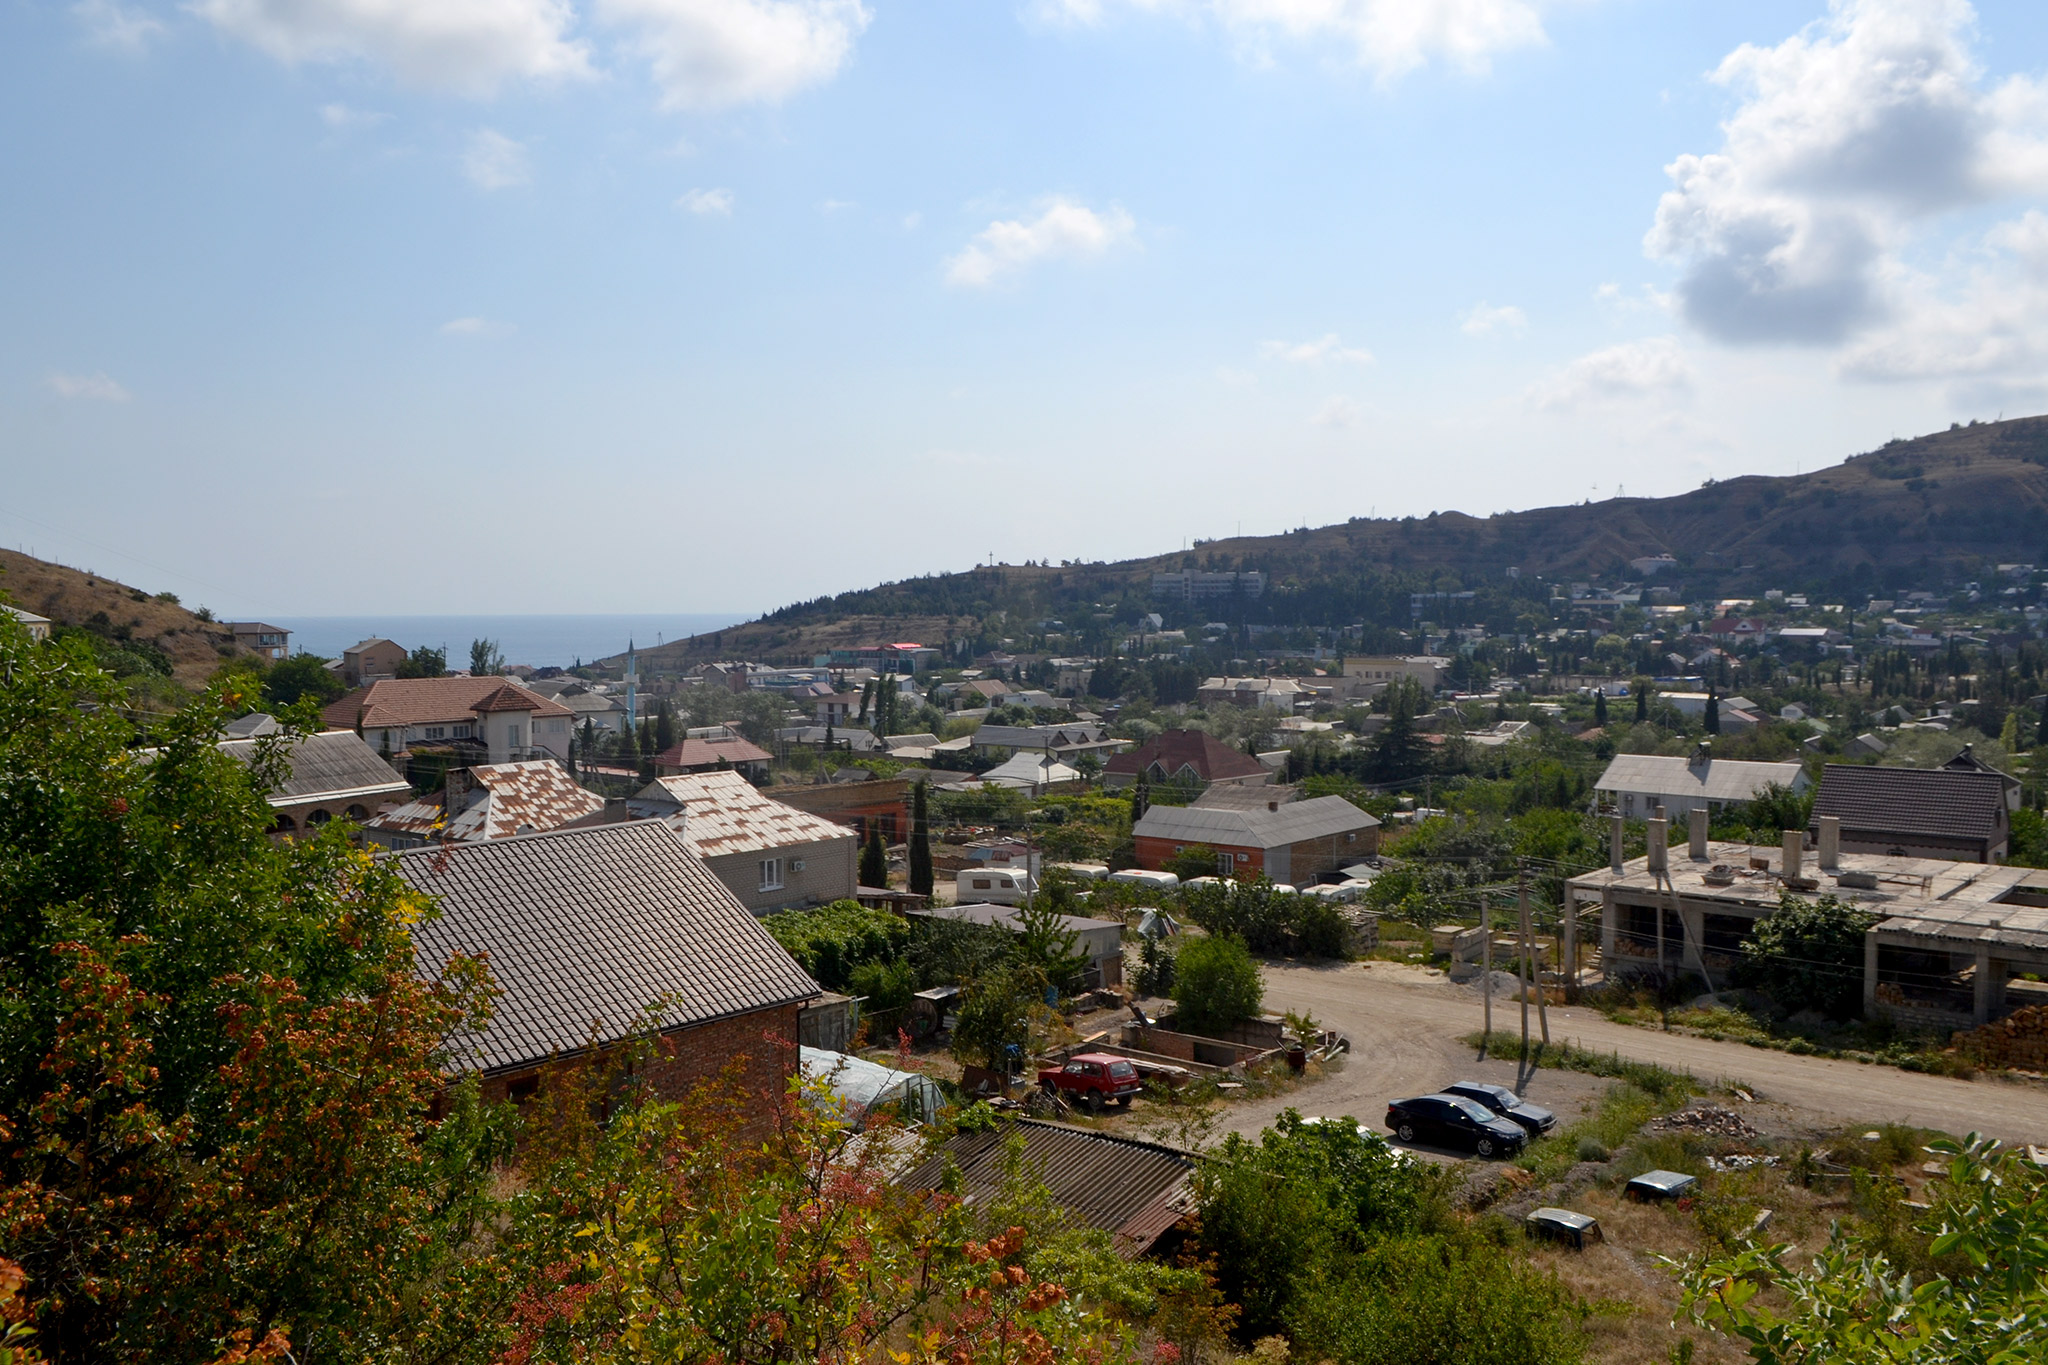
1130,1189
509,799
723,813
1176,749
706,753
587,929
393,702
1950,803
510,698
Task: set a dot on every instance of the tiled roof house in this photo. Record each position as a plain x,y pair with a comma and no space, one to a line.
1187,758
506,720
489,801
1954,813
1291,842
772,856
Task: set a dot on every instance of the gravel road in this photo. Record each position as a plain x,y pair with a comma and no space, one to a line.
1405,1024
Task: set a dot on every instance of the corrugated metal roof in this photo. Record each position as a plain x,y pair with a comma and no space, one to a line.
1953,802
723,813
586,930
1125,1187
332,764
1259,828
1717,779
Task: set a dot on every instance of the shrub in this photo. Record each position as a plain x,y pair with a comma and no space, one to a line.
1593,1149
830,942
1809,954
1217,984
1155,972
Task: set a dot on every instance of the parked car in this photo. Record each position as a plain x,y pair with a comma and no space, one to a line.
1093,1079
1454,1121
1660,1185
1507,1104
1574,1230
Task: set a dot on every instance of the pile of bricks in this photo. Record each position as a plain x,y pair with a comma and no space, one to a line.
2019,1041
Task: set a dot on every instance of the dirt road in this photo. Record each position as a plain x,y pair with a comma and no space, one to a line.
1405,1025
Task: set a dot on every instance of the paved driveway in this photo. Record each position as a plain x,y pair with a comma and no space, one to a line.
1405,1025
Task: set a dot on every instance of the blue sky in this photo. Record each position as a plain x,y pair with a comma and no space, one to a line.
314,306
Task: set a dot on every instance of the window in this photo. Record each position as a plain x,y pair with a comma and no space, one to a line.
1244,857
462,731
437,732
771,874
1224,864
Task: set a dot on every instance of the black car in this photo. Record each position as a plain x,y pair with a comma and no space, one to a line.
1507,1104
1454,1121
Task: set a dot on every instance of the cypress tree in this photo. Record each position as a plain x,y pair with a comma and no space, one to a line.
1600,708
664,728
1642,703
874,858
920,843
2041,735
1713,716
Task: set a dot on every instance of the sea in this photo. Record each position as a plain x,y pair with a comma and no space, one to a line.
540,641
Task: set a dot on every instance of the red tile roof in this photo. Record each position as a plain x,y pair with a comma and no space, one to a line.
707,753
394,702
508,698
1211,759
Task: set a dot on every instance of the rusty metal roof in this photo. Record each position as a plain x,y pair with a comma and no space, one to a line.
1133,1190
708,753
507,799
723,813
586,932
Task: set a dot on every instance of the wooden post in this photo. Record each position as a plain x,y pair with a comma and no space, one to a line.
1529,948
1486,965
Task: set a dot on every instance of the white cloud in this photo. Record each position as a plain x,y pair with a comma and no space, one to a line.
1338,413
341,117
1485,320
707,54
1854,135
466,46
707,203
1387,37
1324,348
829,207
115,26
912,220
493,161
1654,367
476,327
95,387
1063,229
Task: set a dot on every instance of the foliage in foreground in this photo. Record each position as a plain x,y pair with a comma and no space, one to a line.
1322,1234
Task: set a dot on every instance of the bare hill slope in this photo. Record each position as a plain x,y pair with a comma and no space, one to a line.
73,597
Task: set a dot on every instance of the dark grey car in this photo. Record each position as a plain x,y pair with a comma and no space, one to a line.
1507,1104
1454,1121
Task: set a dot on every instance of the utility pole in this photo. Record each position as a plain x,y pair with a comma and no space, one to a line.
1522,972
1486,965
1535,964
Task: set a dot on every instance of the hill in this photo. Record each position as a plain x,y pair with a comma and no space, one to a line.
1915,513
164,637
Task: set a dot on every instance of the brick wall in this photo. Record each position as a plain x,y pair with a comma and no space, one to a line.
1154,853
764,1041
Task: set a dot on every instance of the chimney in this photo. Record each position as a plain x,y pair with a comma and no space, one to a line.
1830,842
1614,844
1658,813
1795,848
1697,834
1272,805
1660,843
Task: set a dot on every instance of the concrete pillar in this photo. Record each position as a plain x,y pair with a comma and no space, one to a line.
1614,830
1607,933
1696,830
1570,947
1660,845
1870,974
1980,1004
1794,851
1830,842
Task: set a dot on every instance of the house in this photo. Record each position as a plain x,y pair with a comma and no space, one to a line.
1967,761
1734,713
710,749
38,626
836,708
1034,699
272,642
1030,773
1187,758
844,738
1957,813
975,691
1500,732
1949,940
1065,742
1099,940
1271,694
1195,586
488,801
884,801
369,660
595,935
1648,566
503,720
1809,637
1368,677
328,776
1636,784
603,713
1289,841
1136,1191
771,856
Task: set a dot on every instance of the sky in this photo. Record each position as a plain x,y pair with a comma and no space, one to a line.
346,306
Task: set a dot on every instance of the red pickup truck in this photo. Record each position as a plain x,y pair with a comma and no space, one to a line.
1093,1079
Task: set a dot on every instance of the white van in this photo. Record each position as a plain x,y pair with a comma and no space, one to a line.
994,886
1086,872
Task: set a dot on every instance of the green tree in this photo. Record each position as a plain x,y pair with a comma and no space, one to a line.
1195,860
423,663
992,1027
1711,722
664,728
1809,955
1048,945
1600,708
1642,690
1141,797
302,675
1217,984
485,658
874,858
920,842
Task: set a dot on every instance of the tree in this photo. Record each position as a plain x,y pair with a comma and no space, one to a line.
664,728
423,663
301,676
993,1025
1712,720
874,858
1853,1306
2041,733
1600,708
1141,798
485,658
1809,955
920,843
1195,860
1217,984
1642,691
1047,945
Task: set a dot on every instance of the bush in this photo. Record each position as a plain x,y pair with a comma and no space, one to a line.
1217,984
831,942
1155,972
1592,1149
1808,955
